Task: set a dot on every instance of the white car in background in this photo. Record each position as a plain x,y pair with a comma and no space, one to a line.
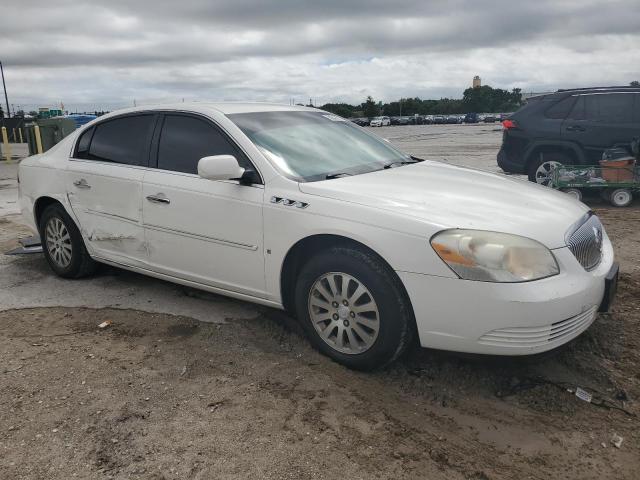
380,122
298,209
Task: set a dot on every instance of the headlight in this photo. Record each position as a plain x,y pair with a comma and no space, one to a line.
494,257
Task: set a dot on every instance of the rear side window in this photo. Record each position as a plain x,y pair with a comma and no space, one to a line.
82,150
578,113
561,109
185,140
605,108
122,140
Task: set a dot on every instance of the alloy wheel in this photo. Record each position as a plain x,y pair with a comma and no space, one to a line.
544,173
344,313
58,242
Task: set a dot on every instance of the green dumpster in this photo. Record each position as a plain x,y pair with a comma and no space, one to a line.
52,130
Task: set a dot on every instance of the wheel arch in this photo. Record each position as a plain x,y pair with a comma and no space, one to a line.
40,205
567,148
304,248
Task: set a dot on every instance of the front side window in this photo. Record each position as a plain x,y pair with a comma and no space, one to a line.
185,140
615,108
122,140
309,146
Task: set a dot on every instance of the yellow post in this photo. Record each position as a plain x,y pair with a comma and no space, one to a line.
36,131
20,133
13,132
6,146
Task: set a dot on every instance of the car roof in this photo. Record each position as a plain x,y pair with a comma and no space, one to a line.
226,108
624,88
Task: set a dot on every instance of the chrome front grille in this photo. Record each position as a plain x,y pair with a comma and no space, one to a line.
585,242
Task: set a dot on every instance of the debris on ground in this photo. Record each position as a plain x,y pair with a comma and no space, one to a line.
104,324
617,440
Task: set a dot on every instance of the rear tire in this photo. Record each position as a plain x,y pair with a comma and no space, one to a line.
367,322
62,244
540,167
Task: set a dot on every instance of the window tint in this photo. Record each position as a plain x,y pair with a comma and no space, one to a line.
122,140
615,108
606,108
561,109
577,113
185,140
82,150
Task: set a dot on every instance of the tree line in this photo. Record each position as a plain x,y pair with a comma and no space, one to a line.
479,99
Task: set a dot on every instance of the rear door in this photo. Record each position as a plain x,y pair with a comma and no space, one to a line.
600,120
104,186
206,231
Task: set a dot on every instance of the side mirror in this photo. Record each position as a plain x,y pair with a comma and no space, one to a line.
220,167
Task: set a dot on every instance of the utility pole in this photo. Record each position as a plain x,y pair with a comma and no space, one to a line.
4,85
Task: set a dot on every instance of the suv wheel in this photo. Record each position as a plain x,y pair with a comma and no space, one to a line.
540,169
63,245
353,308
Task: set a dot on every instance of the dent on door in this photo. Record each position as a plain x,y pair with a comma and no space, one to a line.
109,212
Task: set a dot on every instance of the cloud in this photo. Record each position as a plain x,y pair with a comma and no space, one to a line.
105,54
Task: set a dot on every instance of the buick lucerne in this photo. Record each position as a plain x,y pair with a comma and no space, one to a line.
299,209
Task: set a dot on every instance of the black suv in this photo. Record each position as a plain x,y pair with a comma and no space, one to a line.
572,127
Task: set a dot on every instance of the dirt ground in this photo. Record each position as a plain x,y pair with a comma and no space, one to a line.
155,396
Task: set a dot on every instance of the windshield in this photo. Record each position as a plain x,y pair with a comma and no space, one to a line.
311,146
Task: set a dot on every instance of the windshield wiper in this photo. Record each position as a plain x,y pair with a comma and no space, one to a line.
337,175
400,162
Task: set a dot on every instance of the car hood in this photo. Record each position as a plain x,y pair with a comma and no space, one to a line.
447,196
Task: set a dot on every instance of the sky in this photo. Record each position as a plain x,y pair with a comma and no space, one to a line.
109,54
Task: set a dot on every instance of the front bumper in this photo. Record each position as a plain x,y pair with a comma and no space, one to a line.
508,318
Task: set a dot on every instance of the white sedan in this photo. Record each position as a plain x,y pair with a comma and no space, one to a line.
380,122
298,209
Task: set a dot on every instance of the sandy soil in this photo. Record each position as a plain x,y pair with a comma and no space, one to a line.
155,396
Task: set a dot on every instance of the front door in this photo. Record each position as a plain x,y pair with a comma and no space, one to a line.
209,232
599,121
104,187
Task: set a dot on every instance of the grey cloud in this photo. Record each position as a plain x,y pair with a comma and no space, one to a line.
162,46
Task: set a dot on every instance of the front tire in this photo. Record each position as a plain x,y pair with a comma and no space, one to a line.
353,308
62,244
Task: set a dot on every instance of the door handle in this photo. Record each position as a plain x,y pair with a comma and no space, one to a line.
158,198
575,128
82,183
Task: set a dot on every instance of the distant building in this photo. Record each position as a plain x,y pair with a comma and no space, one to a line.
477,83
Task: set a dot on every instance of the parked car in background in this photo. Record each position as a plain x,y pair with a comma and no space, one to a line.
489,119
570,127
471,118
439,119
299,209
362,121
380,122
427,119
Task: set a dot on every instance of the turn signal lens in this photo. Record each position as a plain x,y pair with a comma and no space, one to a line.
494,256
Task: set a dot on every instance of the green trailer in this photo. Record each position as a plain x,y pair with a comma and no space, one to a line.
617,184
